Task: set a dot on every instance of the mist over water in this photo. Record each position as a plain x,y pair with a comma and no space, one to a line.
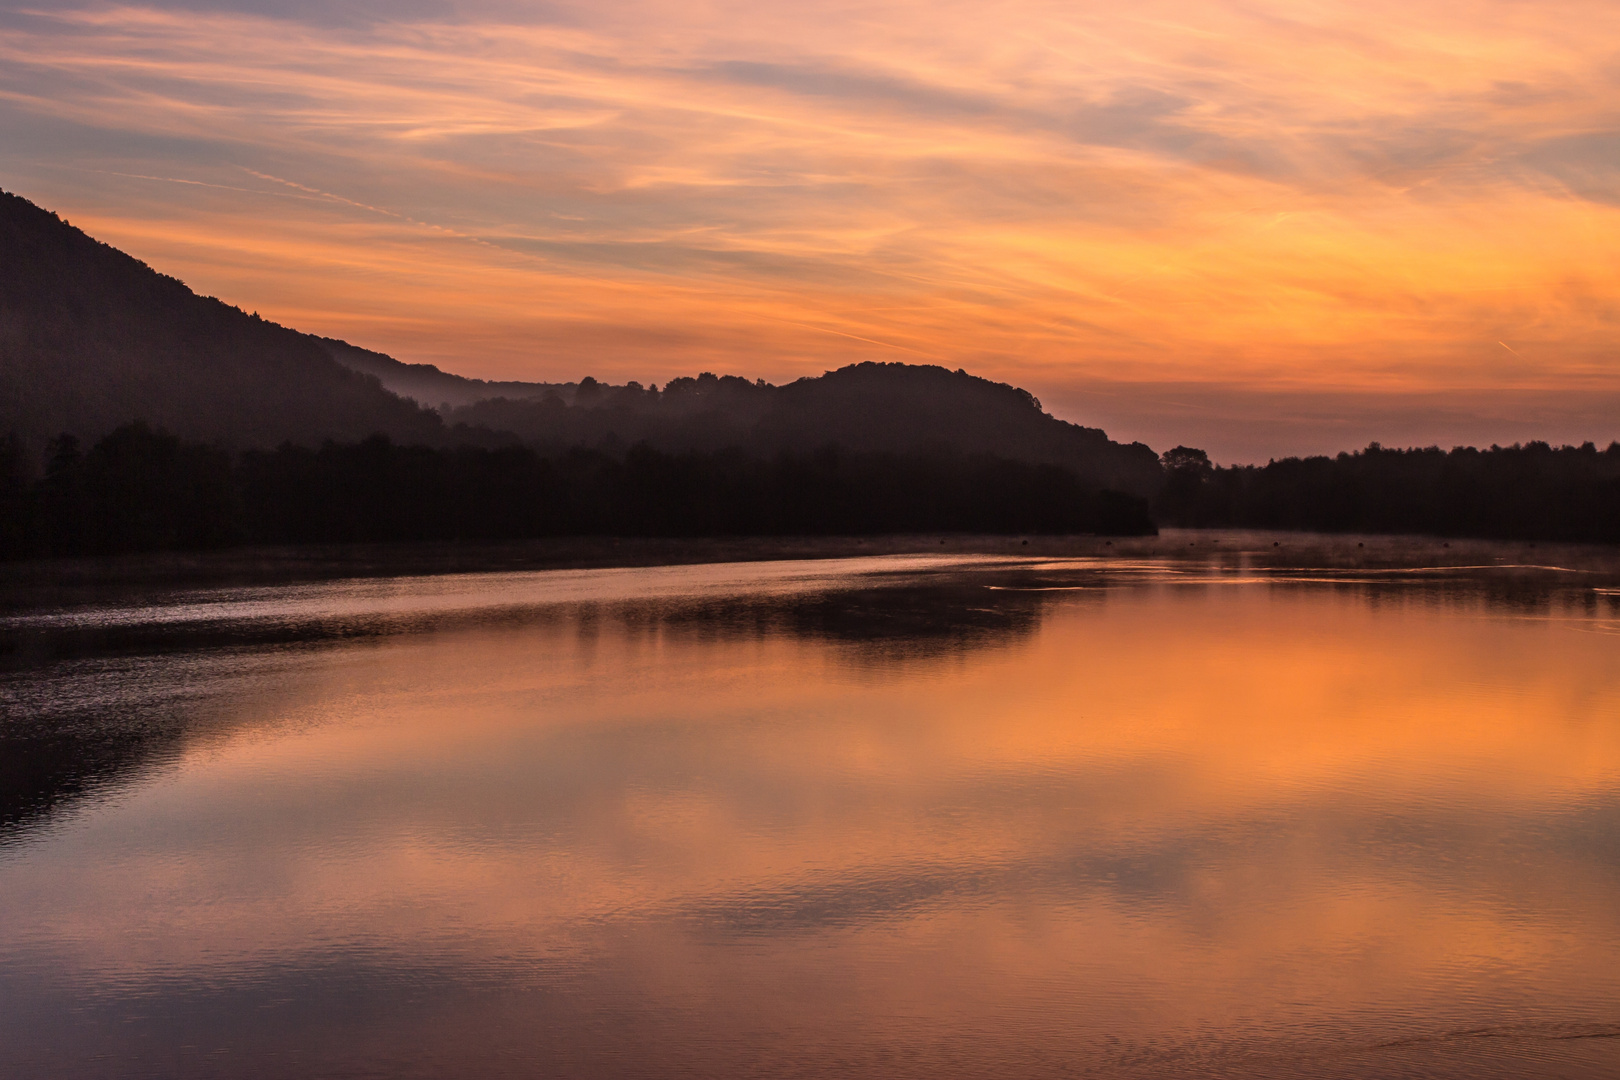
908,816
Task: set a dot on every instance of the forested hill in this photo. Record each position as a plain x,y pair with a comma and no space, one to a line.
91,338
889,407
431,387
866,408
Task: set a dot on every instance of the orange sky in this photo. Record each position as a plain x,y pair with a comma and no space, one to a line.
1262,227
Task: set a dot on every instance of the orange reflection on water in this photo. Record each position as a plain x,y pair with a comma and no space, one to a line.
1144,826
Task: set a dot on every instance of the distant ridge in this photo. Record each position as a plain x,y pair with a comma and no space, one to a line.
429,386
862,407
92,338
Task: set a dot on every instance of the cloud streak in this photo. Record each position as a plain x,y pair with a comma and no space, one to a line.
1334,199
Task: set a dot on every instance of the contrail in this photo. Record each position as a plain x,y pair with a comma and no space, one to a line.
203,183
857,337
317,193
328,195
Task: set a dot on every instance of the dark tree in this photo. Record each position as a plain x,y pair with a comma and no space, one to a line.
144,490
1528,492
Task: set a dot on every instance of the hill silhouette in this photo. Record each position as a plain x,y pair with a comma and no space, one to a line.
91,338
150,409
431,387
136,415
865,408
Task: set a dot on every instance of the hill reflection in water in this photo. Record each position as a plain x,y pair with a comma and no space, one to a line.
864,817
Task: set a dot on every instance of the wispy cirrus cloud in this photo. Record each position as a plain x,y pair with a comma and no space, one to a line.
1255,195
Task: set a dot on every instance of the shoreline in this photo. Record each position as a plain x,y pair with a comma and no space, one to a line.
55,582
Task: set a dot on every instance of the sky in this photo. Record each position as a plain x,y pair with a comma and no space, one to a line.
1263,228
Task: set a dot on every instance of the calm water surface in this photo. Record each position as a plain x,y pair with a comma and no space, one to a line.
896,817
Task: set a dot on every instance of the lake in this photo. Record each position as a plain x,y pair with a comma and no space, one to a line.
909,816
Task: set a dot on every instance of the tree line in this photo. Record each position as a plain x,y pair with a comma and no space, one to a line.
889,407
1529,492
140,489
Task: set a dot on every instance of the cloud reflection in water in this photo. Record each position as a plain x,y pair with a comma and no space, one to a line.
894,824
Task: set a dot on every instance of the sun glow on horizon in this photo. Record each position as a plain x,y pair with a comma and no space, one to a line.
1360,203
